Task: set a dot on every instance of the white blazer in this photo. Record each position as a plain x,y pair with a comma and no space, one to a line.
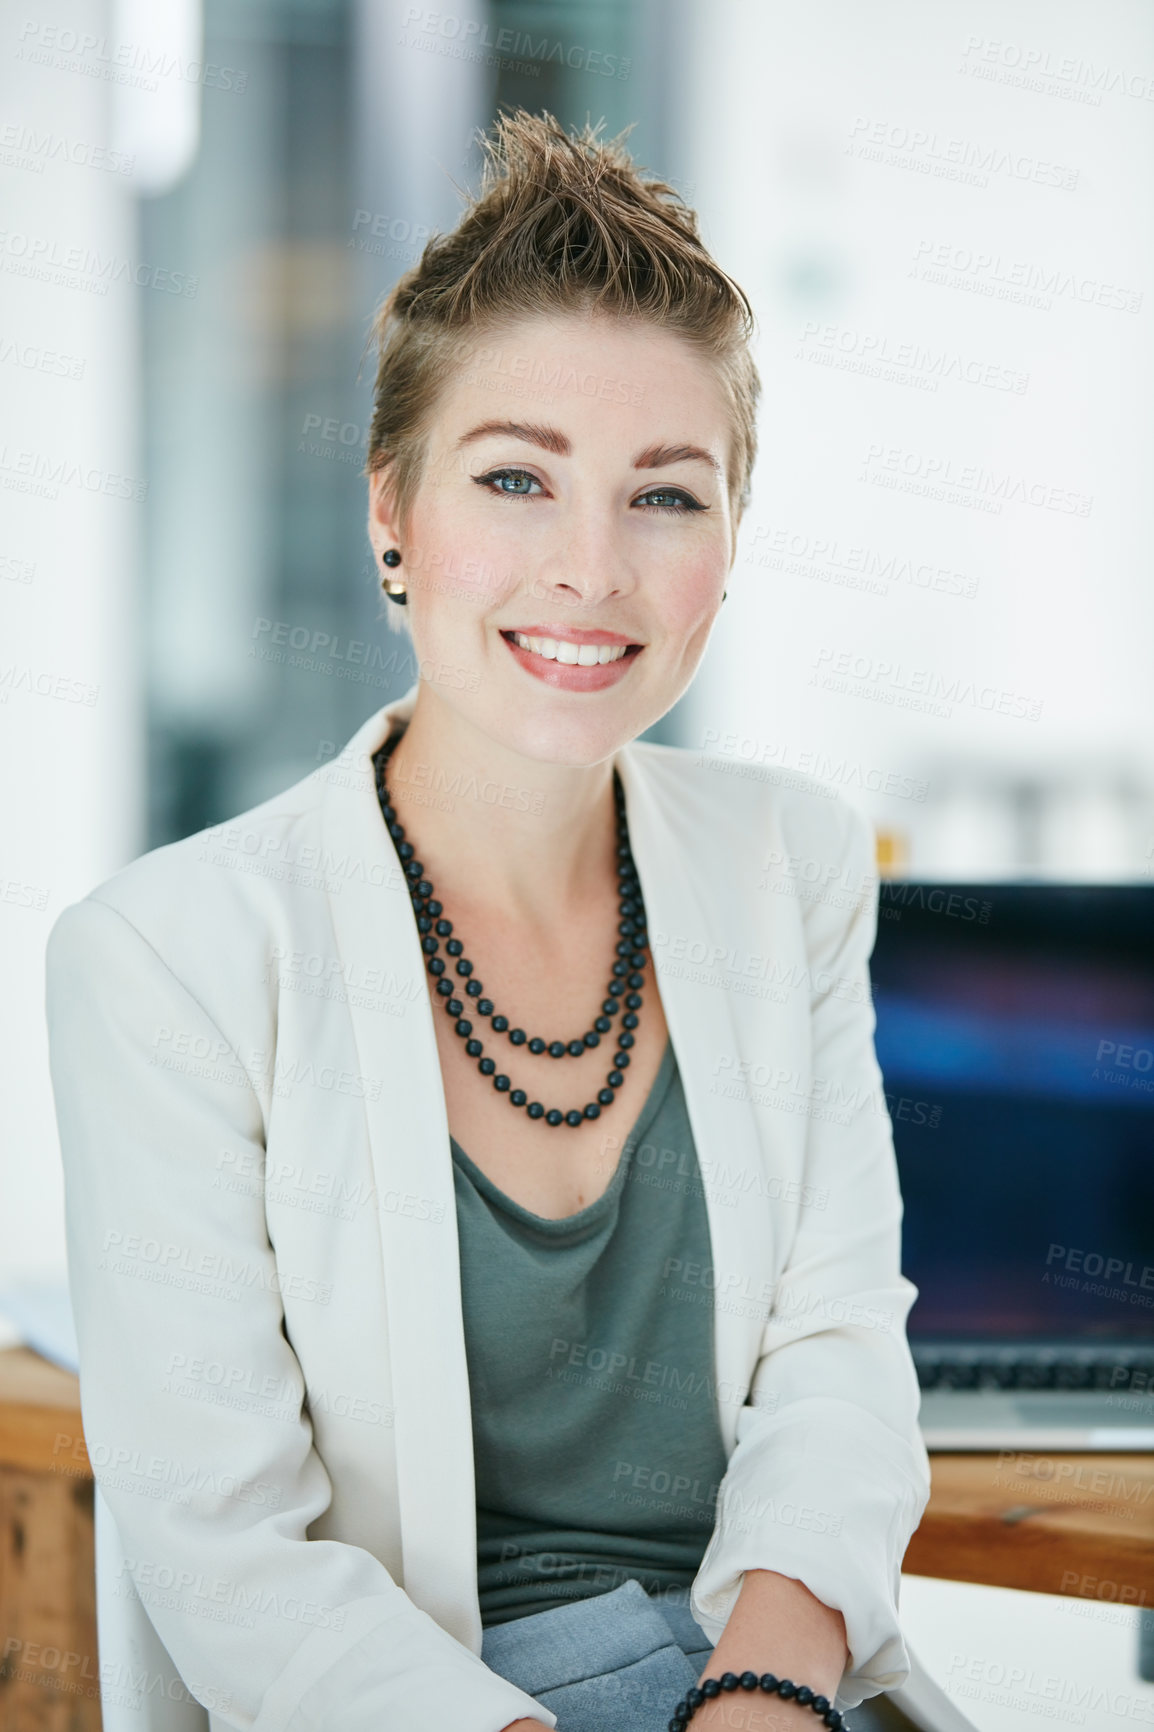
264,1266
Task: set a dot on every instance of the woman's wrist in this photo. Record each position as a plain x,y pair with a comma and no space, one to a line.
777,1625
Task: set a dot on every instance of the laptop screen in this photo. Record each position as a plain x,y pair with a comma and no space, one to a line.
1015,1032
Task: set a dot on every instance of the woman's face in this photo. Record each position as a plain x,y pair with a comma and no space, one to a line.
574,502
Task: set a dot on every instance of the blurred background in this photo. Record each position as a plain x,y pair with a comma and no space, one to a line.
941,602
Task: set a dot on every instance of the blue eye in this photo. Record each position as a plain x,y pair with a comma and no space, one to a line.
681,501
496,476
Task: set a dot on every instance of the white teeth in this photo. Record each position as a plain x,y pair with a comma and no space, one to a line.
585,655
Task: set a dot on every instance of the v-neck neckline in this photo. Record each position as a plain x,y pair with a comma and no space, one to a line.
565,1224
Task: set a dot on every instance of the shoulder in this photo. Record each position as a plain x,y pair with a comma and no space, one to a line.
265,872
788,810
218,894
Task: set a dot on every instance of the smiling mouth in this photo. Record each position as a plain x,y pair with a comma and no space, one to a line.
581,655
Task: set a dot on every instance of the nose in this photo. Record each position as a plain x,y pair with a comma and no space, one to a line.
587,563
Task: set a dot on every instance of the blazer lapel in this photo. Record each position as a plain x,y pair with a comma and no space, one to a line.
665,833
408,1131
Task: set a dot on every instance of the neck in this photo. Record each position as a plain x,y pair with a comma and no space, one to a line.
498,828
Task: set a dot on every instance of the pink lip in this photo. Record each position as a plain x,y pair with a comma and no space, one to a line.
567,633
565,676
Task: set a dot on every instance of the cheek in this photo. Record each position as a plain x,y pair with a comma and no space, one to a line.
692,585
461,569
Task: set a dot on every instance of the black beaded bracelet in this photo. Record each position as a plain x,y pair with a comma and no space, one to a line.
783,1687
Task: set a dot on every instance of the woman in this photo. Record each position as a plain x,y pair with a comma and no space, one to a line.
485,1307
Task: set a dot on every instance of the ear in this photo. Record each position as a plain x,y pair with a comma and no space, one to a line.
383,527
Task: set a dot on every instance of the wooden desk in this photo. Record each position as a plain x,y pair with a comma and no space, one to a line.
1054,1524
49,1668
1071,1524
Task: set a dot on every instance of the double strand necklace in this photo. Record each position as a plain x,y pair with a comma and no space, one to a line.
624,986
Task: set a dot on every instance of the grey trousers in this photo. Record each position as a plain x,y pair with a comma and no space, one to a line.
618,1662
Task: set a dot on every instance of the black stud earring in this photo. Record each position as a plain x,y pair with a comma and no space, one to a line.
392,557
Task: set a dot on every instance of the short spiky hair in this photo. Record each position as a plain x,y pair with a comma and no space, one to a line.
563,223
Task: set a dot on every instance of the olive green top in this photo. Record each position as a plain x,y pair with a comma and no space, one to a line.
589,1339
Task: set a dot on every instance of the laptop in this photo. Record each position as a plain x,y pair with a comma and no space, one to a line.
1015,1032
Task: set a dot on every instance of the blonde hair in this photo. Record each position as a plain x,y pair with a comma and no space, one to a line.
563,223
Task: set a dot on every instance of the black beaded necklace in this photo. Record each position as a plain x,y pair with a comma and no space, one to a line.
626,981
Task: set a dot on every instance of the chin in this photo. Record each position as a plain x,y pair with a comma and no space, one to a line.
548,736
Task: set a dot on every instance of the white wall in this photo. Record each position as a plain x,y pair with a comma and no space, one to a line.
835,237
70,759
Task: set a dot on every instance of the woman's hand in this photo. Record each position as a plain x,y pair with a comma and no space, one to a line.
523,1726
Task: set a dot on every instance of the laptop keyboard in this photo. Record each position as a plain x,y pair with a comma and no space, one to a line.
1123,1370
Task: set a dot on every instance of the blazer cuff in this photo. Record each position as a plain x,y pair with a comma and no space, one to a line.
796,1501
431,1678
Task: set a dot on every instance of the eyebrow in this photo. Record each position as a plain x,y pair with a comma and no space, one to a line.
549,439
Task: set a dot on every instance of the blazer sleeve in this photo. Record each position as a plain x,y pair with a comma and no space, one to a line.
830,1476
211,1502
